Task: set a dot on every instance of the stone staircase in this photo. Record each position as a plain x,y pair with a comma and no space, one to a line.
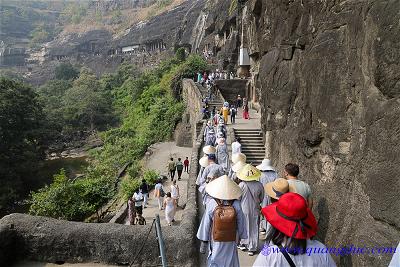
252,144
216,102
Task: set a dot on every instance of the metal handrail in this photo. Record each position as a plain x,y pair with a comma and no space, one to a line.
161,242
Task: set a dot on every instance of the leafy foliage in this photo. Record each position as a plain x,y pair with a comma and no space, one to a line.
65,71
149,108
21,139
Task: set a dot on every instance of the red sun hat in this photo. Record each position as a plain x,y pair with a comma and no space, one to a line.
291,216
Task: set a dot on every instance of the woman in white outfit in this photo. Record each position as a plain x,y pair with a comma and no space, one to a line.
175,192
170,208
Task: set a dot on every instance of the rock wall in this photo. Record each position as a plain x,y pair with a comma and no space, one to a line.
329,81
230,89
192,97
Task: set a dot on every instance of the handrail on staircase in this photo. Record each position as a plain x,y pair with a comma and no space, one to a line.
160,240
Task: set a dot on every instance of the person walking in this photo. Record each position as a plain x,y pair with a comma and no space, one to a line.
171,168
159,193
292,226
235,159
296,186
203,162
138,197
233,112
246,112
131,211
211,138
225,113
268,175
175,192
186,164
170,208
144,188
207,129
239,101
222,223
236,146
252,197
222,154
179,168
217,169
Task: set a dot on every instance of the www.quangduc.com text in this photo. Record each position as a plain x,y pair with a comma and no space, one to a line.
338,251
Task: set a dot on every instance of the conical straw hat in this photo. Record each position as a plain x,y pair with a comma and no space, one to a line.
209,150
223,188
238,157
204,161
249,173
277,188
238,166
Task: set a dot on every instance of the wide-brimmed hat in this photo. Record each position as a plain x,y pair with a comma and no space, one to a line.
277,188
238,157
209,150
291,216
204,162
221,141
266,165
238,166
249,173
223,188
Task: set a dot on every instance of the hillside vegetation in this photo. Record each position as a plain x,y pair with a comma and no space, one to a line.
148,108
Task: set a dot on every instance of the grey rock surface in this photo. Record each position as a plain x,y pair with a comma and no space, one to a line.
329,83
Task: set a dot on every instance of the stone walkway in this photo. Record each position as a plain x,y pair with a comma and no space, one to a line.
161,153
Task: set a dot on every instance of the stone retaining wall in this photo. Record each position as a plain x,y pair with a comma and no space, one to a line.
193,100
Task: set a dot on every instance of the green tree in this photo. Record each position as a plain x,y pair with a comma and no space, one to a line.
66,71
21,136
180,54
39,35
85,104
51,97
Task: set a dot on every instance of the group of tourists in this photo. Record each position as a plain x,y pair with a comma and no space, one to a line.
243,201
167,201
178,167
170,203
137,203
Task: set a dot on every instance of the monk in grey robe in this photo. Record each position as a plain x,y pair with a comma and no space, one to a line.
266,177
213,169
211,138
221,254
222,155
252,197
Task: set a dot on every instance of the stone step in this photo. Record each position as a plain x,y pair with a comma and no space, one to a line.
251,138
253,150
246,130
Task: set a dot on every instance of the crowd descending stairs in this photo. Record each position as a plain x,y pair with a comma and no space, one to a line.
252,144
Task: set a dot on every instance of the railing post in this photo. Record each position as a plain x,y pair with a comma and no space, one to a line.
161,241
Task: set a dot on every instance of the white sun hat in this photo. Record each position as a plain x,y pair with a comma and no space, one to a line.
266,165
209,150
238,166
238,157
204,161
223,188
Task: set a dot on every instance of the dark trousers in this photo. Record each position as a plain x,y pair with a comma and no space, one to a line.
186,169
172,174
233,119
179,174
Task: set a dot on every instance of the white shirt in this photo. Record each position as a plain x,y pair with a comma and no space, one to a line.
138,197
272,257
396,258
174,191
236,147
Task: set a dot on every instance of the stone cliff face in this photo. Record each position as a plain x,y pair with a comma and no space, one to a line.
329,80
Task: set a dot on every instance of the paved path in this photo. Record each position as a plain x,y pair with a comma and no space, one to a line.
161,153
44,264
